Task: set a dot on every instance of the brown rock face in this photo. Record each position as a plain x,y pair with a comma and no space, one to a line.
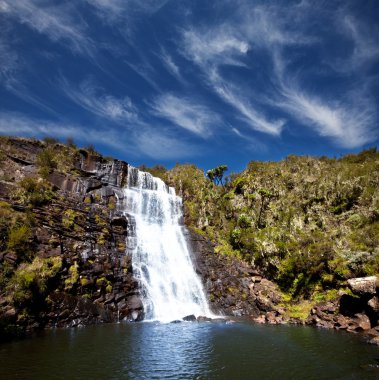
81,225
233,288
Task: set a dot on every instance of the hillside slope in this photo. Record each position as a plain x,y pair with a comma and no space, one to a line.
307,223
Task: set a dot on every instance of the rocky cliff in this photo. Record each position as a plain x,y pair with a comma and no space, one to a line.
63,258
63,261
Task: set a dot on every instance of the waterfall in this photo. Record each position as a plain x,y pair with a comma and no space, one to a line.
161,260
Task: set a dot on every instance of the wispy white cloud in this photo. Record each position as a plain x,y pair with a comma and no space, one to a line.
350,124
186,114
111,10
213,49
9,62
170,65
94,100
278,30
364,40
114,12
273,25
57,22
348,119
256,120
214,46
17,124
160,146
146,141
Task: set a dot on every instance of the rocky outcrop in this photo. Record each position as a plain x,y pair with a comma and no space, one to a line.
356,312
81,225
233,288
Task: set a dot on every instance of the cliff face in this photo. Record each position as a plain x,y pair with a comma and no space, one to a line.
62,259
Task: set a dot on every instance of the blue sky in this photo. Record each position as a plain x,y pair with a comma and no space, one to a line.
206,82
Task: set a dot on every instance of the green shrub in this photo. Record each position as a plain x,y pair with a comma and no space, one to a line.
46,161
18,239
73,276
34,192
31,280
244,221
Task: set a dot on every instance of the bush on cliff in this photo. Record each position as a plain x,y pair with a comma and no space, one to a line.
33,192
30,281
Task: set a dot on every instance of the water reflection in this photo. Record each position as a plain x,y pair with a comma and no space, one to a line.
169,351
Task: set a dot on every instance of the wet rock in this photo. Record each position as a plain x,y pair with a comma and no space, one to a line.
109,298
373,303
260,319
374,341
11,258
92,184
64,182
134,303
64,314
341,322
372,333
119,221
203,319
10,313
136,316
226,279
362,322
118,297
107,191
189,318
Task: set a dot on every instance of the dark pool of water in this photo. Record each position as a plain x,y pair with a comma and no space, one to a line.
190,351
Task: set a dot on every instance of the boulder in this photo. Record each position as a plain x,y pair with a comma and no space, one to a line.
364,286
134,303
203,319
374,341
374,304
360,322
189,318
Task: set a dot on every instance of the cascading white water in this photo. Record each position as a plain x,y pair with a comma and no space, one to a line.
170,286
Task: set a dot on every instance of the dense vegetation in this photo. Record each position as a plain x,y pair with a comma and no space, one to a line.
308,223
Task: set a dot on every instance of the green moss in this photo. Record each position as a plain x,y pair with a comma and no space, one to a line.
102,281
322,296
299,310
73,276
46,161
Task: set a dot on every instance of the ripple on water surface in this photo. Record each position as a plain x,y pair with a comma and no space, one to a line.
190,351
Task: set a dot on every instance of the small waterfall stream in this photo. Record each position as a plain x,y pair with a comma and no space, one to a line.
161,260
